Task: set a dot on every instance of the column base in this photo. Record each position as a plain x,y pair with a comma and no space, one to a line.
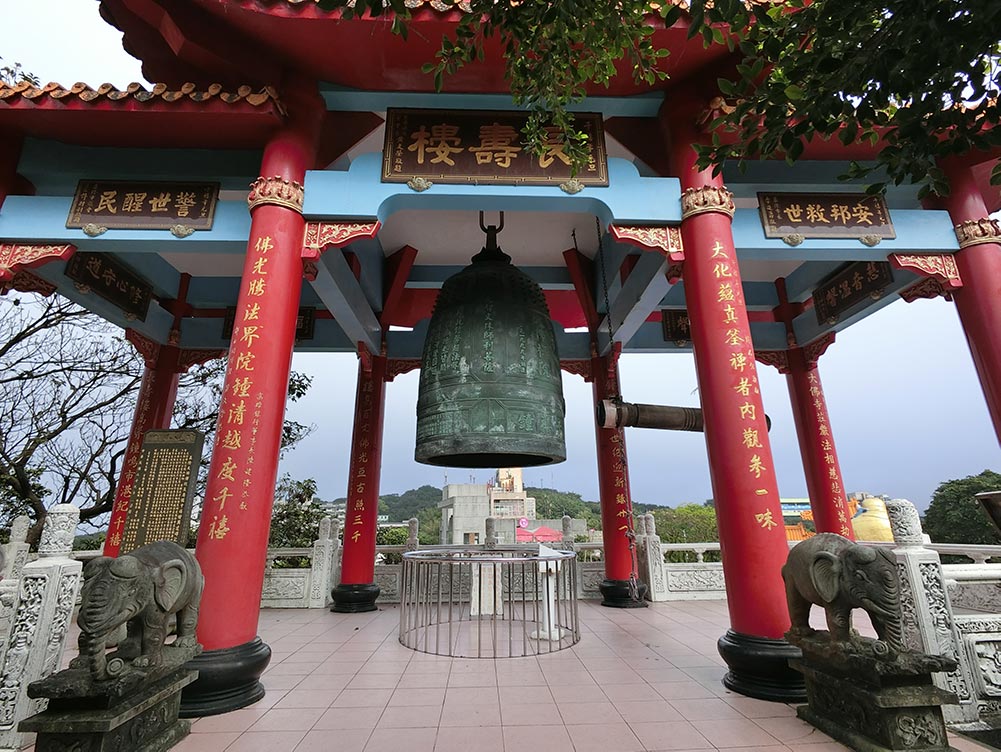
227,679
354,599
759,667
615,594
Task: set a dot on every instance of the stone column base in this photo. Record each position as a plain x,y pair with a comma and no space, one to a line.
354,599
759,667
228,679
615,594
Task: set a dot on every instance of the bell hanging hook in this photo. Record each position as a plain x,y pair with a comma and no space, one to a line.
495,228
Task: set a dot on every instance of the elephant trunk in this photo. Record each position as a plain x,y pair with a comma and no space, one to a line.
93,649
887,622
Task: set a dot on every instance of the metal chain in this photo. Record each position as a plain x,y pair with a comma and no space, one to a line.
634,591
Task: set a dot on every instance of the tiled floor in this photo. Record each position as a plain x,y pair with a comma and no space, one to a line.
638,680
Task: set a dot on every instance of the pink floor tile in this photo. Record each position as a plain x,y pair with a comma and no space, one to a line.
349,718
394,740
411,716
705,709
238,720
647,711
612,737
266,741
465,739
589,713
362,698
550,738
530,714
669,735
215,742
346,740
791,730
297,719
734,732
471,715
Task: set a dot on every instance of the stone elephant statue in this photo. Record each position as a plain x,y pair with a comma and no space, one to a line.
833,572
141,589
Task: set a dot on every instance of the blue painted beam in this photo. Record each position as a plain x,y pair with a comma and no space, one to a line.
800,283
410,344
432,277
917,231
758,296
341,98
649,338
807,328
206,334
359,193
638,297
41,219
54,168
336,286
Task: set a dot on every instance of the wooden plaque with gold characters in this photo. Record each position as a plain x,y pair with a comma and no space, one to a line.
487,147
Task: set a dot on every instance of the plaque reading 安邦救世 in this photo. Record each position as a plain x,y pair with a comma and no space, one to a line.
487,147
160,507
118,204
853,284
105,275
676,326
824,215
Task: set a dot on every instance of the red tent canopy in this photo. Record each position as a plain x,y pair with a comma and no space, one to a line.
541,534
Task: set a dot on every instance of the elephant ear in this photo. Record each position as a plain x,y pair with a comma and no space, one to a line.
169,584
825,572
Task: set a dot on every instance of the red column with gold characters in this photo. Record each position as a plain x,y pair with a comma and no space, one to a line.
816,445
748,510
357,590
154,407
621,587
239,495
978,301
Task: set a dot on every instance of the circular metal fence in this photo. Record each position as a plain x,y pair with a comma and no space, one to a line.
499,602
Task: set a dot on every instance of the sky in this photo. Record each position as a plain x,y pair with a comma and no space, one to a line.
907,411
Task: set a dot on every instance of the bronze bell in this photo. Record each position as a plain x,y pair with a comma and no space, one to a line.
490,390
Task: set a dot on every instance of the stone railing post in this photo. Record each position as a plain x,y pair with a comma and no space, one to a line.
413,528
490,532
322,563
46,596
13,557
335,555
651,558
928,621
567,524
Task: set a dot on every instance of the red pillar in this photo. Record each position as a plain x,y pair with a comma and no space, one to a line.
154,407
357,590
816,445
978,301
236,515
621,587
748,510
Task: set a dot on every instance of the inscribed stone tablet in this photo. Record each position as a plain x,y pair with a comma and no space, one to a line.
160,508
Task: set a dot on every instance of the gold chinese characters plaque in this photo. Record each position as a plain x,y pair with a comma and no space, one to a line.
486,147
145,205
824,215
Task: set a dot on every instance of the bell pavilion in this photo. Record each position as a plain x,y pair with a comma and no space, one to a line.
293,182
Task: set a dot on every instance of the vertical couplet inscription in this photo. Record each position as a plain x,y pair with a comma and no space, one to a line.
359,475
736,338
242,403
830,461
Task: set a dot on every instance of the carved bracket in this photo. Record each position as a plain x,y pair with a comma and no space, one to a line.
927,288
276,191
319,236
16,257
22,281
708,198
147,348
188,358
777,358
399,366
815,349
666,240
580,368
977,232
938,266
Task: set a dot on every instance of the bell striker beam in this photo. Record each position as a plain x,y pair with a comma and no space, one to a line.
979,262
745,491
621,587
357,590
154,408
236,517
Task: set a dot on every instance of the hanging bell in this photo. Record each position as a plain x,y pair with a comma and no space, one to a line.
490,391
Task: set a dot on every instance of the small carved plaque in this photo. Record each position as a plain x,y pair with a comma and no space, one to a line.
824,215
459,146
143,205
853,284
676,327
105,275
160,507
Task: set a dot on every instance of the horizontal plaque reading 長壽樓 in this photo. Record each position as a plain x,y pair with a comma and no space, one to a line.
853,284
824,215
164,487
486,147
112,280
305,324
677,328
118,204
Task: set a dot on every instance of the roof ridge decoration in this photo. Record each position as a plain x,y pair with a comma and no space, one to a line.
138,93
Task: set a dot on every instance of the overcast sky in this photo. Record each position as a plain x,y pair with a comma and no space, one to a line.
907,411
